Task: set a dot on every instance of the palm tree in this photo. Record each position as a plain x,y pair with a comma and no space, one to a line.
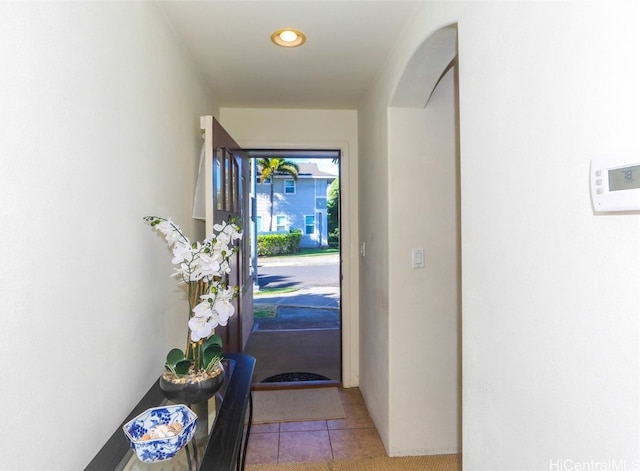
268,168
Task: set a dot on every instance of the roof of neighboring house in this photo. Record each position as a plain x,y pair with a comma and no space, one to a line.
310,170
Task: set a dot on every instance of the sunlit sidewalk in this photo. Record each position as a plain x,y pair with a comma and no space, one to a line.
290,260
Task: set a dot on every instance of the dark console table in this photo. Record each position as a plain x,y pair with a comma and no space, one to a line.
220,441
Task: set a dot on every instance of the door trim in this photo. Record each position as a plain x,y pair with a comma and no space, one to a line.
349,251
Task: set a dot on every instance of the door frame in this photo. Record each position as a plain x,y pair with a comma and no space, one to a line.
349,251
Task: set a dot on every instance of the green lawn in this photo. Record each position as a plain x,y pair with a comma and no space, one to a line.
274,291
262,311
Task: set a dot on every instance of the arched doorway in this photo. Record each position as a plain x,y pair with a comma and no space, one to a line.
424,189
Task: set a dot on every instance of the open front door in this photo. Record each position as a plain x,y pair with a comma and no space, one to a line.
227,197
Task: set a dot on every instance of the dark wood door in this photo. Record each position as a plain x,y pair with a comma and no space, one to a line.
228,199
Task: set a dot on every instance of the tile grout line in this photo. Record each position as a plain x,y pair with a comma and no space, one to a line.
279,441
333,456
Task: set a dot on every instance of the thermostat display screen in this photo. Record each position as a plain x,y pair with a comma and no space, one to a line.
626,178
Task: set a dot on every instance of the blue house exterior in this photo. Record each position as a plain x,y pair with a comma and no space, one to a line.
297,204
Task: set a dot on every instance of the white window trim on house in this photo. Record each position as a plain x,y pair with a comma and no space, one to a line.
289,184
280,217
308,225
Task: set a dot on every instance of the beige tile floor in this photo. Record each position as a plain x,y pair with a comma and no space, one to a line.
323,440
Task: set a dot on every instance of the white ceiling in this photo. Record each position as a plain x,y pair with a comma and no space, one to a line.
347,43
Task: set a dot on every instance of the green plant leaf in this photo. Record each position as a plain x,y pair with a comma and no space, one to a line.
182,367
211,356
215,339
175,356
215,361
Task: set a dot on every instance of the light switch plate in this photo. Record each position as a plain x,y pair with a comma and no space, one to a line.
417,258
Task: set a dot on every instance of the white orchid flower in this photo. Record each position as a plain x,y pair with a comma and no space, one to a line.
182,253
209,265
203,309
171,232
227,233
201,327
208,262
224,308
232,232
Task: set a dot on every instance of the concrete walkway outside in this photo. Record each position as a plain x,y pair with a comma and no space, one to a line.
305,334
298,260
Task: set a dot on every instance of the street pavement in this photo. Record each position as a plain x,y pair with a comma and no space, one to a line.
319,296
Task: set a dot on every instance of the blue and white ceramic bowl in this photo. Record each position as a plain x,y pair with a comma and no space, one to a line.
160,449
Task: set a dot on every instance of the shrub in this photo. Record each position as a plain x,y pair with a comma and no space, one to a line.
278,244
334,238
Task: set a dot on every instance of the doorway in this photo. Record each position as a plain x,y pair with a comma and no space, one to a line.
426,323
295,240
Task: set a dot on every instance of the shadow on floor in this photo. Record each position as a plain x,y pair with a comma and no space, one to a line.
304,336
300,350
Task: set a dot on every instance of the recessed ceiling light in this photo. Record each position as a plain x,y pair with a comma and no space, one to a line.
288,38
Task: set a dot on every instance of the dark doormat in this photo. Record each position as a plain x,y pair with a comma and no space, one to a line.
294,378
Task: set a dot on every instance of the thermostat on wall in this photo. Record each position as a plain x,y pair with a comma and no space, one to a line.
615,184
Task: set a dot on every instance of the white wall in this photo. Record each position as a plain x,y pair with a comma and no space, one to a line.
99,127
424,304
316,129
373,220
550,295
555,287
